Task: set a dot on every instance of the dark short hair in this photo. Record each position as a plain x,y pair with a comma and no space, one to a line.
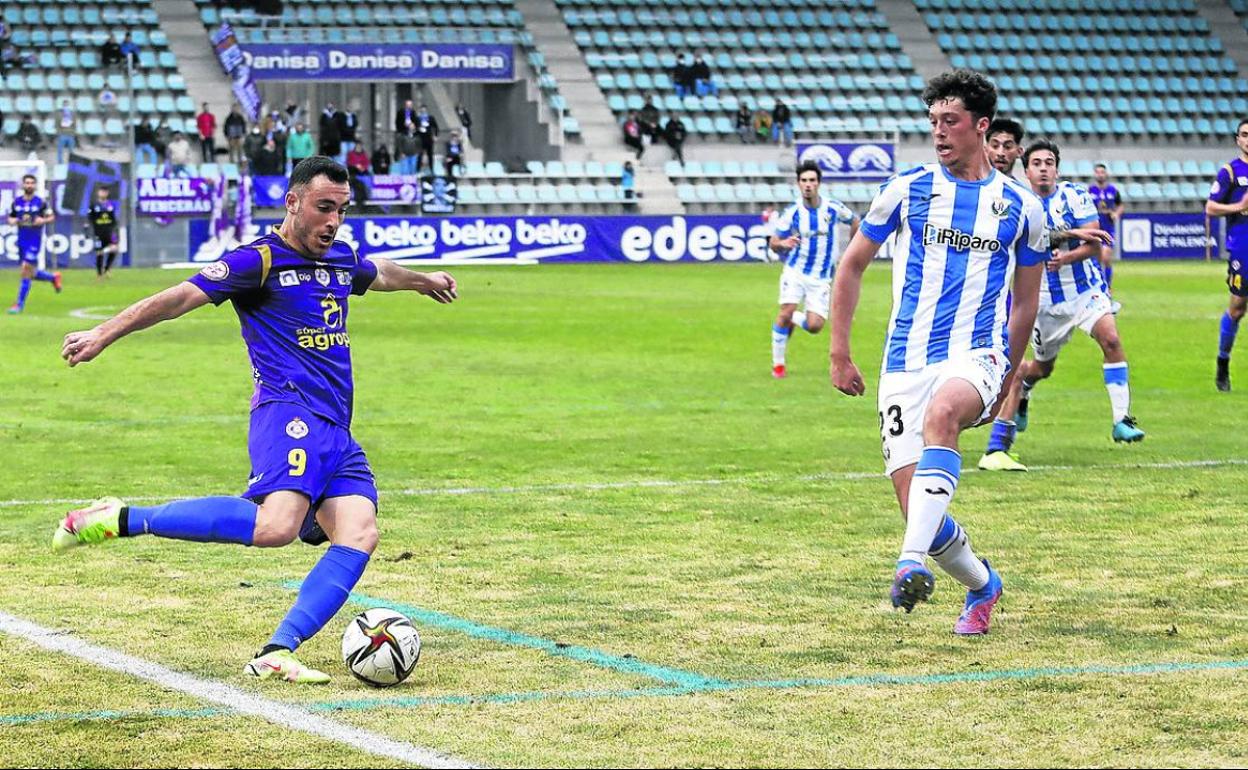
976,91
317,165
810,165
1006,126
1100,165
1042,144
31,177
1241,125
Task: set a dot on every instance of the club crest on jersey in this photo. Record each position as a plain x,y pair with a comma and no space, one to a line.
296,428
217,271
322,276
1242,181
956,239
288,278
344,278
1000,207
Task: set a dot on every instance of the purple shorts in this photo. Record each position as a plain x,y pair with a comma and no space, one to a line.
1237,275
28,251
293,449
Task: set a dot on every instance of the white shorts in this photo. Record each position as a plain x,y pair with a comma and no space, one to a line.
1056,323
796,287
904,397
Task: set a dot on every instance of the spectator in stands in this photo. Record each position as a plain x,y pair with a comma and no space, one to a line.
650,120
348,123
29,137
66,130
331,139
299,146
130,50
407,150
179,154
427,132
144,142
628,181
274,127
164,135
682,77
5,31
10,56
782,123
357,160
294,114
744,123
675,133
269,161
762,125
381,160
632,134
465,120
110,52
252,144
454,154
235,130
405,114
206,122
703,83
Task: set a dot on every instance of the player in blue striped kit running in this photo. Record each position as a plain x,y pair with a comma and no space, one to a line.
806,236
967,234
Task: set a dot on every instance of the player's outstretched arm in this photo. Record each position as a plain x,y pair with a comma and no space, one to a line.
1085,234
845,291
1025,303
439,286
80,347
1215,209
1082,252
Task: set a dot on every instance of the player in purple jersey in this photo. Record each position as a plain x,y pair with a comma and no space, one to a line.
102,219
309,478
29,214
1109,208
1229,198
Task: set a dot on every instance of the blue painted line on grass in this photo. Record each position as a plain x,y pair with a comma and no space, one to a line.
707,687
619,663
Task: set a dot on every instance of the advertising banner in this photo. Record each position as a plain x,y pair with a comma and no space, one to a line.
482,62
850,160
1167,236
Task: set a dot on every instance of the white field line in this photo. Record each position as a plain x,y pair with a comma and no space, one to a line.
283,714
675,483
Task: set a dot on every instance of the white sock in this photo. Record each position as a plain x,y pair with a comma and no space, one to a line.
779,344
954,555
931,490
1119,390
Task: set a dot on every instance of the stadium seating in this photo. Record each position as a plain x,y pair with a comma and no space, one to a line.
1151,68
394,21
835,64
64,37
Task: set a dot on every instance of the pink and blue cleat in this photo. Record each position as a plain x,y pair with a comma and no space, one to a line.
912,584
978,610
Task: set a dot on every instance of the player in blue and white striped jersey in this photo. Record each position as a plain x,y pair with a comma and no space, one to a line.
805,234
967,233
1073,294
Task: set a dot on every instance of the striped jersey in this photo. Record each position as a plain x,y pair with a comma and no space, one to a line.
958,244
816,255
1069,206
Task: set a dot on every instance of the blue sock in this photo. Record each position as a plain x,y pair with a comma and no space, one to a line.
203,520
947,532
23,290
1230,327
1002,437
785,330
43,275
323,593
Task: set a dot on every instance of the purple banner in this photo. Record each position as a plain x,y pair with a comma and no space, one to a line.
175,196
381,61
1168,236
851,160
392,188
233,62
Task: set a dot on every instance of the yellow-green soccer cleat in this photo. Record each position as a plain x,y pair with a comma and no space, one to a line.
98,522
1000,461
283,664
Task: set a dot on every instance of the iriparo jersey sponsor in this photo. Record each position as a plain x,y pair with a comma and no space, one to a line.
958,245
1070,206
816,254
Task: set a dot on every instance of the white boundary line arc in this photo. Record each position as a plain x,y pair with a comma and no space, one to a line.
220,693
670,483
88,313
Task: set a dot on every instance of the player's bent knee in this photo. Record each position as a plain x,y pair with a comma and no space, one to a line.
815,326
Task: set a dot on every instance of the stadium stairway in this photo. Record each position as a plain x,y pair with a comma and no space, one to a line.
1225,24
600,133
916,39
205,82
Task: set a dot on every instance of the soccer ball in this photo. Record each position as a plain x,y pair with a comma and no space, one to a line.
380,647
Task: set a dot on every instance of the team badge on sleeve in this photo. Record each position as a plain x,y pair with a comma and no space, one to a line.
217,271
1215,188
